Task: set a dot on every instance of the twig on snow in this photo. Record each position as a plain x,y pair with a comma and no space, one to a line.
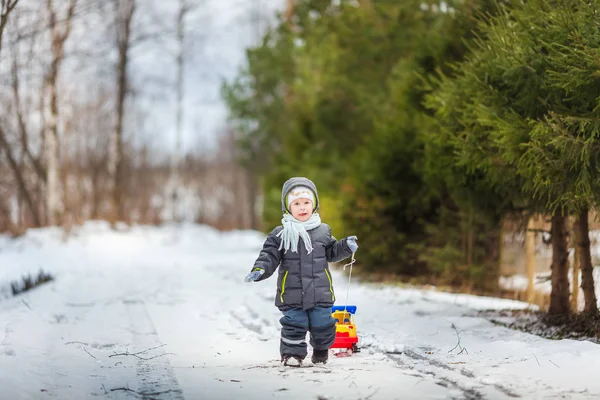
137,355
372,394
262,366
91,355
27,305
458,345
554,364
77,342
536,359
145,395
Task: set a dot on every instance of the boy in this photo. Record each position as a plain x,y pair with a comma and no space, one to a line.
302,246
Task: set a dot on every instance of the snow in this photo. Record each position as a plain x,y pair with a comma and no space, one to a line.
163,312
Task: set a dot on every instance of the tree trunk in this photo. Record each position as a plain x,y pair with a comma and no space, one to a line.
96,192
289,11
54,206
587,276
12,161
470,240
53,198
16,87
530,259
5,9
6,221
500,244
124,10
176,157
252,195
559,297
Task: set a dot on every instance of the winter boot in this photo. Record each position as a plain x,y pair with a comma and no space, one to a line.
320,356
292,361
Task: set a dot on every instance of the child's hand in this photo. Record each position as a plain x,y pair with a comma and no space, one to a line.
254,275
351,242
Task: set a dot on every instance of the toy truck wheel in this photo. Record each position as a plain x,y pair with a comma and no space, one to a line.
355,348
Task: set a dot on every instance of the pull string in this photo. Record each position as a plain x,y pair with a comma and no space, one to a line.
349,278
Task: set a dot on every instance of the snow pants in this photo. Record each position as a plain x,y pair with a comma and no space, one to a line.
296,322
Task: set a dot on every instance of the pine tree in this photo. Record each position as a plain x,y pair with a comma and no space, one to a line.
522,111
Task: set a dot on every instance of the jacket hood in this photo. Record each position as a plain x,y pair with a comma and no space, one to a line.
292,183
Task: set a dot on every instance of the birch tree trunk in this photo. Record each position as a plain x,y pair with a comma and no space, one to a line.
176,156
59,36
124,10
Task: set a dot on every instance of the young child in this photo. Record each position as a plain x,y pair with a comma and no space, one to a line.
302,247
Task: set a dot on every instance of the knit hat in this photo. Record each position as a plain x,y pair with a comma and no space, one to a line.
293,183
299,192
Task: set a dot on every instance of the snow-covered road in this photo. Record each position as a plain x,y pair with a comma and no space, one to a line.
163,313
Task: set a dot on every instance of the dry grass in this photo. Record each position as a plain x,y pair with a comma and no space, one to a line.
29,282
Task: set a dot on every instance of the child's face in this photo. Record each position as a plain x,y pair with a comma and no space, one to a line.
301,209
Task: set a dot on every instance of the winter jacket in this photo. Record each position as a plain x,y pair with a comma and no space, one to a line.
304,280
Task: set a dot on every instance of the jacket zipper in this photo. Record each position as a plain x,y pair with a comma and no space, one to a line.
330,284
283,285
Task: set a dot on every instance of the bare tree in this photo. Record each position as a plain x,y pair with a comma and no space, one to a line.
65,148
26,188
59,35
124,10
184,8
92,122
14,165
23,129
6,6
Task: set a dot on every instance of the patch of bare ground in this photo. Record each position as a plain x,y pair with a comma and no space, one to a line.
580,326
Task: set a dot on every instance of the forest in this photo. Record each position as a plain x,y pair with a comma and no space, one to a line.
432,129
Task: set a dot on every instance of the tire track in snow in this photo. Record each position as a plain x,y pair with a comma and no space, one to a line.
462,379
156,378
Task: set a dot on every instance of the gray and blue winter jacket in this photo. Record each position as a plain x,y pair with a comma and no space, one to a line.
304,280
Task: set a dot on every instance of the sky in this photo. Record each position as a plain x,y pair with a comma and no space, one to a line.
218,32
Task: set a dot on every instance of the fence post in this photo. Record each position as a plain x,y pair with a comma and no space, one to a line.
530,236
575,270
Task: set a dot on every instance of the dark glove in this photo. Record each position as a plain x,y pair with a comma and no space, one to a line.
254,275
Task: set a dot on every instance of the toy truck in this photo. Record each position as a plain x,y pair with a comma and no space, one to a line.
345,328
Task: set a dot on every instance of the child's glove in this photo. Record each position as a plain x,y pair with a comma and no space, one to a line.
254,275
351,242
